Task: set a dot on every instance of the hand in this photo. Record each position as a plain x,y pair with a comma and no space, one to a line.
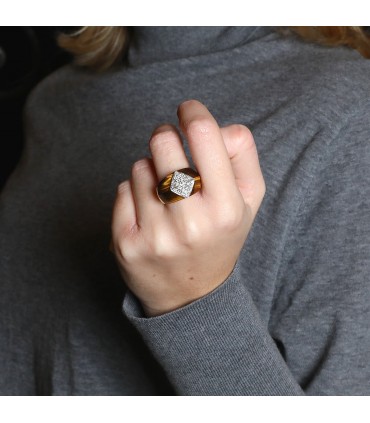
170,255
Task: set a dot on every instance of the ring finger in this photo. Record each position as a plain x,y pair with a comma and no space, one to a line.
167,151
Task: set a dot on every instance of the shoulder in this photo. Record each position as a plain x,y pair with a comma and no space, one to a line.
333,80
61,88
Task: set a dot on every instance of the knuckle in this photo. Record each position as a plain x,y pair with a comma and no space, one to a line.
229,218
192,233
199,126
123,187
243,136
162,141
166,245
159,245
125,250
140,166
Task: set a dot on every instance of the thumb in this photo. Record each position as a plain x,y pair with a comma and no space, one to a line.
243,155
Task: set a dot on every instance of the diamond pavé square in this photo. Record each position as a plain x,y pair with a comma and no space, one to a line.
182,184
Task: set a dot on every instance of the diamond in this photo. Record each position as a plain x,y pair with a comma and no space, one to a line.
182,184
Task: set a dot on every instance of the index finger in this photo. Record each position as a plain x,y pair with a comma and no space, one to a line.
207,149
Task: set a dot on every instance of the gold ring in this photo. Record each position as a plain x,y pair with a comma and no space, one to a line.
178,185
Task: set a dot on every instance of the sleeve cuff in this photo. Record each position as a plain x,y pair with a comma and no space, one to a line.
216,345
134,311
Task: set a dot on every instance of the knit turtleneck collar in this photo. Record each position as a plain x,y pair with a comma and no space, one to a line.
155,44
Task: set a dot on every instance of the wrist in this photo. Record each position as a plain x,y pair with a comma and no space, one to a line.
158,310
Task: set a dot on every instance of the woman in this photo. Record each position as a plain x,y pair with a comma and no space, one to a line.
257,284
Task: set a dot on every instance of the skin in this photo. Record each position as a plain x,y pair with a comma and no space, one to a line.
171,255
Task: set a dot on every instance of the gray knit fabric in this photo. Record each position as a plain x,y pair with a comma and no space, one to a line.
293,318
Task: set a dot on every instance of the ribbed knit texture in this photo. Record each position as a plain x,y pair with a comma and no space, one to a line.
293,316
241,356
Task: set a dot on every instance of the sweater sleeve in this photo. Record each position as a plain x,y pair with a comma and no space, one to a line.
218,345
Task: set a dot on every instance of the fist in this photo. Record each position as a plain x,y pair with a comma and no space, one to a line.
172,254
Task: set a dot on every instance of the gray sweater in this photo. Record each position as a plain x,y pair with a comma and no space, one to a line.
293,317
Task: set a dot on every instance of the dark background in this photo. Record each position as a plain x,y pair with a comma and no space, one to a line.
27,55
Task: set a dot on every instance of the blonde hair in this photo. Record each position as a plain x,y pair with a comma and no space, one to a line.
101,47
96,47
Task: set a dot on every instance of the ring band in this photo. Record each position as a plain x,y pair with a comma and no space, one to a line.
178,185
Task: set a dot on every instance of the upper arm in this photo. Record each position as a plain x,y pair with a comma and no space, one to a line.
322,310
